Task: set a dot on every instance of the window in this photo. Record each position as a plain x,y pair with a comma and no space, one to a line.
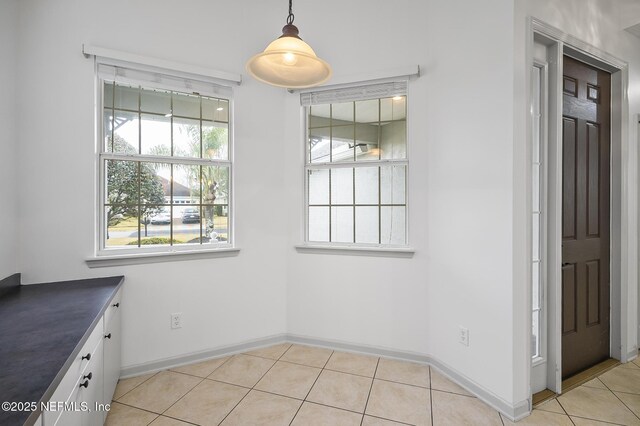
538,205
356,165
165,162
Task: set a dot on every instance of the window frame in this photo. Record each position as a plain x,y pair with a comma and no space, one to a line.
400,250
147,253
542,212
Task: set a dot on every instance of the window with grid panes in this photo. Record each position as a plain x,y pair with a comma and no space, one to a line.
538,211
356,165
165,162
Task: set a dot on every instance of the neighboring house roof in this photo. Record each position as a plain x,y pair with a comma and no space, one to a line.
178,189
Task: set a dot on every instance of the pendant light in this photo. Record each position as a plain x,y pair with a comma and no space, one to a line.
288,61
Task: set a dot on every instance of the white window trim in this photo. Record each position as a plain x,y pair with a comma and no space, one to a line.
149,254
359,249
356,250
177,255
145,62
542,356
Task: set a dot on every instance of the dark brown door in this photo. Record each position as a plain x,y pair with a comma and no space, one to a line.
585,216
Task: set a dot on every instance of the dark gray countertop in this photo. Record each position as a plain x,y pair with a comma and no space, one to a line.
42,329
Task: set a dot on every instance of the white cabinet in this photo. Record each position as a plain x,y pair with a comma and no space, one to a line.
92,392
112,348
89,383
70,416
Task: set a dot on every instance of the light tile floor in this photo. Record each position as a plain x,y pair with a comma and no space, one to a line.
305,386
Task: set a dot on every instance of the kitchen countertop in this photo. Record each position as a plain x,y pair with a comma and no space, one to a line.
42,329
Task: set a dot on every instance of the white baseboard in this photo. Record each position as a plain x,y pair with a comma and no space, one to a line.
513,412
177,361
354,347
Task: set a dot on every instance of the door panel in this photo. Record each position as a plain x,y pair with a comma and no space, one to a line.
569,296
585,216
569,178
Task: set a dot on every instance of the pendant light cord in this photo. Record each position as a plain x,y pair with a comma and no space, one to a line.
291,16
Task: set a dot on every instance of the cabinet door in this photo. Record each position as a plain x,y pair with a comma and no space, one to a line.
93,393
81,363
111,355
72,414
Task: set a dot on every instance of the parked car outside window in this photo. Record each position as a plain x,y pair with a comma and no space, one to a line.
162,218
191,215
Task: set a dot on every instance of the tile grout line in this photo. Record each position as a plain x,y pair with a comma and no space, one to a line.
155,374
161,414
414,386
138,408
323,368
570,419
626,393
232,384
588,418
314,383
372,378
431,396
335,408
185,394
601,421
376,378
252,388
369,394
189,391
562,406
442,391
135,387
623,403
175,418
392,421
563,409
193,375
264,357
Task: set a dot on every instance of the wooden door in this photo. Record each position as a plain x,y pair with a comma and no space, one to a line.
585,216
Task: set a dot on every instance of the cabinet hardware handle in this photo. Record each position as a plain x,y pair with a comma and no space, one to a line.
85,384
116,305
87,357
88,376
107,336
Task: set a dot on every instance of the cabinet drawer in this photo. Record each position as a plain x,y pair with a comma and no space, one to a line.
114,306
78,367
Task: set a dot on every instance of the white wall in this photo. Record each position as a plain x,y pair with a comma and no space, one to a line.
460,189
467,209
8,145
460,146
224,301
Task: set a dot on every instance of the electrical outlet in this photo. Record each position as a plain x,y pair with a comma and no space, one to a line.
176,320
464,336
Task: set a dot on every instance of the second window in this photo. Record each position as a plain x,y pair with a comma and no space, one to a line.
356,165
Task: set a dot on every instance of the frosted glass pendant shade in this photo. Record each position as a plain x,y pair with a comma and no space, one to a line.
289,62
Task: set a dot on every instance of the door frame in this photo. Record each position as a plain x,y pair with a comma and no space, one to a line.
624,208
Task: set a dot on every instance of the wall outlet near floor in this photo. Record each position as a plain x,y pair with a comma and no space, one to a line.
464,336
176,320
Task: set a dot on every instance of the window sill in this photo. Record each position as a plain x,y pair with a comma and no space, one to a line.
102,261
404,252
